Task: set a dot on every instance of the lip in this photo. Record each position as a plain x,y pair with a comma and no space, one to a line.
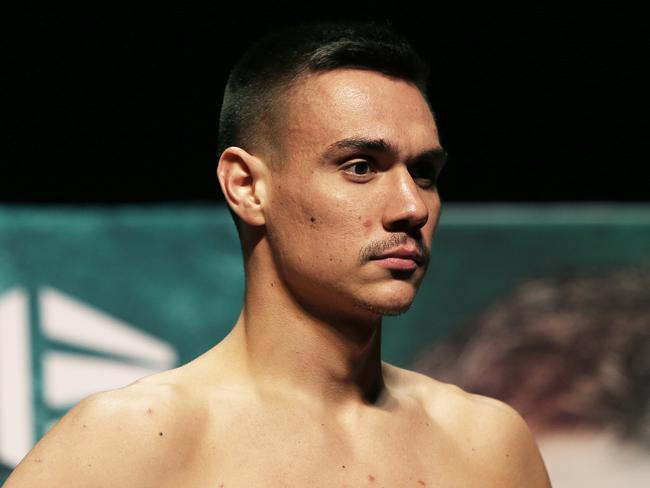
401,258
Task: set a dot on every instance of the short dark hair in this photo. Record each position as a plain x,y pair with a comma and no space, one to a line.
279,58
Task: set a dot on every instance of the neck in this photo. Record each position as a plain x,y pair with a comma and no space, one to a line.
298,351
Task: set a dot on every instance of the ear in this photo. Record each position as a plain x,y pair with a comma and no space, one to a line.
243,178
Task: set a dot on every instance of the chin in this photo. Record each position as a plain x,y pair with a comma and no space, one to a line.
385,308
394,303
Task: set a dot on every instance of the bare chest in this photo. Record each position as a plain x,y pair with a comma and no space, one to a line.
297,451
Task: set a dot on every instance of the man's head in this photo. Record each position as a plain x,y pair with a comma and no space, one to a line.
330,156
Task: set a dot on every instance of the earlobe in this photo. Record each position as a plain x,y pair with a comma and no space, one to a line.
242,179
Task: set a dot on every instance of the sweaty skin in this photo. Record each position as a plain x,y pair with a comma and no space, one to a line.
297,395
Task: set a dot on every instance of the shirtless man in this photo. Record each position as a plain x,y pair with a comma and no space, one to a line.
329,164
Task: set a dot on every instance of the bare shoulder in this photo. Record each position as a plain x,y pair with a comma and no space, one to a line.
125,437
493,433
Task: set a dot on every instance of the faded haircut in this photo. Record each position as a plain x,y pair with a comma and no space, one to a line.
252,97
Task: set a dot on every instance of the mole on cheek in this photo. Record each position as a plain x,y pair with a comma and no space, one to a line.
312,220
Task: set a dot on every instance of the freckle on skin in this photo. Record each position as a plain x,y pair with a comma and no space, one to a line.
371,477
160,433
422,482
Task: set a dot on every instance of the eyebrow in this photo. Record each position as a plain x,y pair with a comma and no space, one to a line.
436,156
360,143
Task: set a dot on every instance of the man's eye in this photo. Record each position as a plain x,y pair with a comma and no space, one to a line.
424,175
360,168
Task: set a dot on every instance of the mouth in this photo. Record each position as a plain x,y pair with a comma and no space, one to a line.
403,259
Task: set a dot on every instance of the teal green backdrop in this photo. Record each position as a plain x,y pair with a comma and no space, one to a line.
175,274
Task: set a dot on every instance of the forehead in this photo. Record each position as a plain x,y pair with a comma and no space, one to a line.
323,108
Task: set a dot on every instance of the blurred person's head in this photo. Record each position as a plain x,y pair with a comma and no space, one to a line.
571,353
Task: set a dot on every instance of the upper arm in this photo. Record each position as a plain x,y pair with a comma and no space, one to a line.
515,458
108,439
493,438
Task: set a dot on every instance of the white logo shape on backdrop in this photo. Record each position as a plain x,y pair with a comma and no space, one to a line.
67,377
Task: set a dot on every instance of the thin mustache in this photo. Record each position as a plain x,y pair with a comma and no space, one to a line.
376,248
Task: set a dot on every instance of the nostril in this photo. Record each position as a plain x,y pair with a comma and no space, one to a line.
408,223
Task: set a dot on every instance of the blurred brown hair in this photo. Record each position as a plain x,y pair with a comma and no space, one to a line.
566,351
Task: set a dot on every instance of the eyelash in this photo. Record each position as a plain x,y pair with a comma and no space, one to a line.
432,175
368,163
432,181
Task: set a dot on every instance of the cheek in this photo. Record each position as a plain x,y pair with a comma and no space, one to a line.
336,232
435,211
323,227
325,212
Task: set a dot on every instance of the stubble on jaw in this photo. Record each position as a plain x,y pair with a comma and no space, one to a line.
393,311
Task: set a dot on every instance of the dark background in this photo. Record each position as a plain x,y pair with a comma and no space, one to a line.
120,104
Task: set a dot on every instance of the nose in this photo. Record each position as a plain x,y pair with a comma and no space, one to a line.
405,209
